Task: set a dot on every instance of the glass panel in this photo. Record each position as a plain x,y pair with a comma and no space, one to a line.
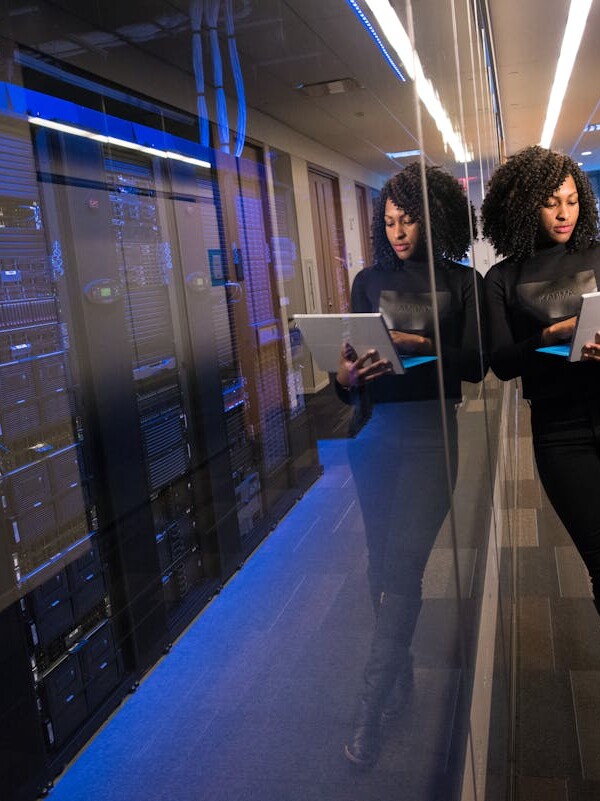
479,596
177,182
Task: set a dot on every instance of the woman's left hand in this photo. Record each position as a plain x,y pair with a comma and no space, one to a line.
591,350
411,343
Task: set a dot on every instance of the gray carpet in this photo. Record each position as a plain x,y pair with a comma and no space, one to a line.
256,699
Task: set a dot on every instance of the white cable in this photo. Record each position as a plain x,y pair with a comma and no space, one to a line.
196,12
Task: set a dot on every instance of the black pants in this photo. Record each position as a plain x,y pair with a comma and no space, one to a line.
566,440
399,463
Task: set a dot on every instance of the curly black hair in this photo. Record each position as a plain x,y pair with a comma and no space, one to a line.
449,212
518,189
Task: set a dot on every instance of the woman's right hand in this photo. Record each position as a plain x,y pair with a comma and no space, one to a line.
355,370
559,332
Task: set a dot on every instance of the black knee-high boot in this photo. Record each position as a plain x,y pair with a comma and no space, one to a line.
400,692
403,685
388,657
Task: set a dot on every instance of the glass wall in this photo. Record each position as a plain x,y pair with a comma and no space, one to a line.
177,182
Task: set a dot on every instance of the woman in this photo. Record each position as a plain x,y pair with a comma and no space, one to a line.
540,212
399,459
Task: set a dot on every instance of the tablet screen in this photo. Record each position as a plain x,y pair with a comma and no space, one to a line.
588,323
325,334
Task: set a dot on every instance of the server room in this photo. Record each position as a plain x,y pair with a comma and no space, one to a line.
238,564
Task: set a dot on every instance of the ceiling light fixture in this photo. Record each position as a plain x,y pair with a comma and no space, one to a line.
586,152
112,140
576,22
338,86
389,22
403,154
365,21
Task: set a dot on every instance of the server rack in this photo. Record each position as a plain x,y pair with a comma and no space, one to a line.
209,296
180,503
284,249
55,588
144,447
285,460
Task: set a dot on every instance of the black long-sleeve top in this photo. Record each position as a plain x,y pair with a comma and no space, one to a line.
404,298
522,300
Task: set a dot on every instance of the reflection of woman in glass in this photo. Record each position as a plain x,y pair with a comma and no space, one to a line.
540,212
398,460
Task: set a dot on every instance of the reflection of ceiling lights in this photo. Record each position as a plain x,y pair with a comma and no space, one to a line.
576,22
376,38
323,88
390,24
111,140
595,126
403,154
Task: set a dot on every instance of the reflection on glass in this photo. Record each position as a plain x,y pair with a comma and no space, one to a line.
399,459
161,414
534,298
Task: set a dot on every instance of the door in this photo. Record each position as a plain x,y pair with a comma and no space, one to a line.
329,243
364,204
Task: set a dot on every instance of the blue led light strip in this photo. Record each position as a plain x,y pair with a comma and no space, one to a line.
366,23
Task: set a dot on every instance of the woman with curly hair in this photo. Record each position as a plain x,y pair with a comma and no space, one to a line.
398,460
540,213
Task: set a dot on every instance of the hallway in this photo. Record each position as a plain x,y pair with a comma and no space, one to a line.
255,700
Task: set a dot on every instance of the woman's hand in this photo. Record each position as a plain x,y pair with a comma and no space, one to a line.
411,343
355,370
559,332
591,350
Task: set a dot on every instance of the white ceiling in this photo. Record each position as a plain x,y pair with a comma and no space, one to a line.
528,36
283,43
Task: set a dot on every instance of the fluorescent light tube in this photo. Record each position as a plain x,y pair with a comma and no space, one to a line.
402,154
111,140
390,24
576,22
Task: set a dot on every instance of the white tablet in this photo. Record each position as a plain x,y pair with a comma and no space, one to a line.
325,335
588,323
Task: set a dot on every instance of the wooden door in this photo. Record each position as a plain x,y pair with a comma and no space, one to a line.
329,242
364,205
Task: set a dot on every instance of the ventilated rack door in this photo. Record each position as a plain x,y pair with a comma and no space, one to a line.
255,306
229,450
77,204
51,560
145,267
226,294
261,299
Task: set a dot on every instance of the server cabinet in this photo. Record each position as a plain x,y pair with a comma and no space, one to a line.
77,201
146,436
22,749
279,471
158,516
284,247
55,585
178,474
220,387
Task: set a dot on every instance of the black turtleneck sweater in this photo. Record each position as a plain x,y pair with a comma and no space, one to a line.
522,300
404,298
